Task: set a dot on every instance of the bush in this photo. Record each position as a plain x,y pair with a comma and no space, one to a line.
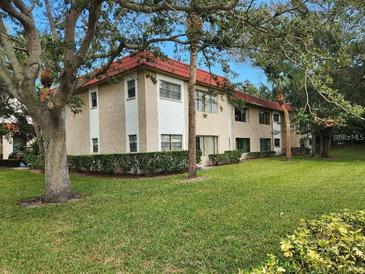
228,157
258,154
333,244
10,163
148,163
300,150
32,158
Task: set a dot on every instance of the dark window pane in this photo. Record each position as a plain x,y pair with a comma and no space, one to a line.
264,117
240,115
243,144
276,118
131,85
95,143
277,142
265,144
94,99
133,143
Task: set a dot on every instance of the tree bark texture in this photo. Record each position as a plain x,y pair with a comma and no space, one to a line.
287,132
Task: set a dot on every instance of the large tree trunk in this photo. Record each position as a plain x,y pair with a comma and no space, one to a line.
287,132
192,173
326,135
57,181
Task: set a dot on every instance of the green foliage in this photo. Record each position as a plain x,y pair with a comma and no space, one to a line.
148,163
258,154
333,244
300,150
228,157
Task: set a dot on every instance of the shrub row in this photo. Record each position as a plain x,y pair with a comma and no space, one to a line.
333,244
258,154
300,150
228,157
148,163
10,163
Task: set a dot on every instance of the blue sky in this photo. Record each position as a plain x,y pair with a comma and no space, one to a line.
245,71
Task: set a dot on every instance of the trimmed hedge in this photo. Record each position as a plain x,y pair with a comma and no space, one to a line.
10,163
148,163
228,157
258,154
333,244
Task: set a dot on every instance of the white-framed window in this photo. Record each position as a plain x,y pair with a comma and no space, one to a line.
131,89
277,142
171,142
206,102
95,145
93,99
276,117
170,90
207,144
133,147
241,115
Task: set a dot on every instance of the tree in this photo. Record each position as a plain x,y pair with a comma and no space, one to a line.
78,36
307,42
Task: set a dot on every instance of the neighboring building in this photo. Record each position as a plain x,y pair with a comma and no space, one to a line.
142,106
7,143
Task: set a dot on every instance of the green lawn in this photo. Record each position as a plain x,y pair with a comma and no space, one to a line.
230,220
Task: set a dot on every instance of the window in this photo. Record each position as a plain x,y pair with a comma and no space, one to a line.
95,142
206,102
277,142
131,88
170,91
207,144
132,143
240,115
265,144
94,99
264,117
276,118
171,142
243,144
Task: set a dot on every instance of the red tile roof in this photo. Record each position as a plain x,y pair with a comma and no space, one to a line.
178,69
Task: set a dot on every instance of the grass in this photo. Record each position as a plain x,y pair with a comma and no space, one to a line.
230,220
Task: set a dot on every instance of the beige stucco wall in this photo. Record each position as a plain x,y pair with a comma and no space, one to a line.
7,146
78,129
252,129
111,117
111,103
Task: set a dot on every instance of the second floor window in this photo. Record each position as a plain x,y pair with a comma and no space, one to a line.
131,87
170,90
240,115
264,117
276,118
206,102
171,142
94,99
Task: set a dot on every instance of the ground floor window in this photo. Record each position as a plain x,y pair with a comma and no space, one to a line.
277,142
243,144
207,144
133,143
171,142
95,142
265,144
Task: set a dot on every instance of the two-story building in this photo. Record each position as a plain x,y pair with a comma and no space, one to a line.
141,105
